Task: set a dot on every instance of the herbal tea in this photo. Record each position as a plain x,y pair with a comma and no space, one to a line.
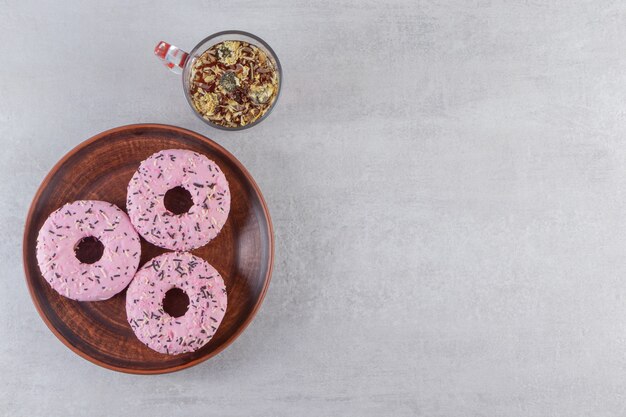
233,84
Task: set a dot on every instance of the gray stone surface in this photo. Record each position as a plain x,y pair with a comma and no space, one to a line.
446,180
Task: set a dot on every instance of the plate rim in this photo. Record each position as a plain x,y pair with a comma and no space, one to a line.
46,181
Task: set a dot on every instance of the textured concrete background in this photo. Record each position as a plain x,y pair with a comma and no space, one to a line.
447,185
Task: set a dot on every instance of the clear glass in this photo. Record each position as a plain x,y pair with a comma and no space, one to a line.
229,35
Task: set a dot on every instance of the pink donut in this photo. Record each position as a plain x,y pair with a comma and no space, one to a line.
207,303
172,168
61,234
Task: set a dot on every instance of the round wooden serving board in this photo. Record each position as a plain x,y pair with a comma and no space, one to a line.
100,169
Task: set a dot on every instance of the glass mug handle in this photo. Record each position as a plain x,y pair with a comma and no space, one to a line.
172,57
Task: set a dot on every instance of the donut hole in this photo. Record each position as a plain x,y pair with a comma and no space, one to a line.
89,250
176,302
178,200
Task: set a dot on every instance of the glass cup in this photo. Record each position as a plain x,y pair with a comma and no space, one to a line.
179,61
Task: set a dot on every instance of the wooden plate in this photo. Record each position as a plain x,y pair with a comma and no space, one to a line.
100,169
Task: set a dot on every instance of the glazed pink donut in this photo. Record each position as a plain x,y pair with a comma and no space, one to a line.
62,232
207,303
168,169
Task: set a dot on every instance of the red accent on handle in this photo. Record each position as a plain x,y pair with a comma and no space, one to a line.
161,49
173,57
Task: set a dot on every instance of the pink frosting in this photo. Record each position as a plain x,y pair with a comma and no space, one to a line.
168,169
207,303
65,228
